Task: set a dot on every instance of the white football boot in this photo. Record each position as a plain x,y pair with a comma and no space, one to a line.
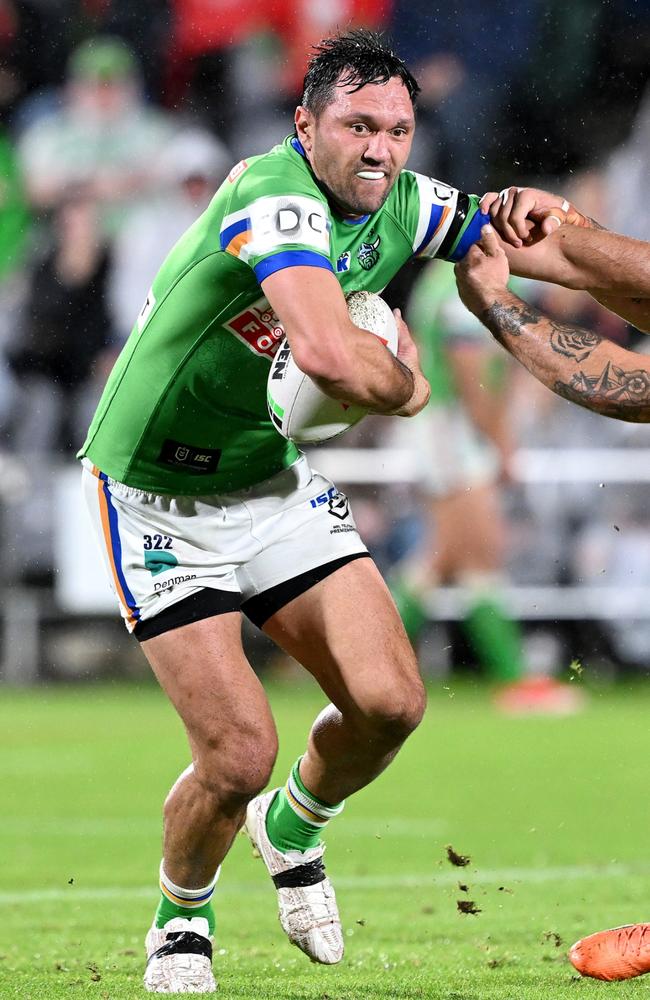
306,900
179,957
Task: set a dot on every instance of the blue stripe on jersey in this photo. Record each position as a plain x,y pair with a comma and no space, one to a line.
298,146
290,258
116,545
229,234
471,235
434,220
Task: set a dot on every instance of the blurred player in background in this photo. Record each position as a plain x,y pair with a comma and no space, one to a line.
102,136
191,167
464,444
205,511
578,365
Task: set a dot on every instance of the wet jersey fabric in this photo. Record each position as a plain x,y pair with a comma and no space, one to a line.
184,410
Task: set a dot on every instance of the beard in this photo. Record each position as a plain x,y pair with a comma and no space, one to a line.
348,194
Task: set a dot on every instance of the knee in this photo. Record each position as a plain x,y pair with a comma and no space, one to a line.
396,712
235,770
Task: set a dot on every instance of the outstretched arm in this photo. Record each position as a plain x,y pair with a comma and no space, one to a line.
548,239
575,363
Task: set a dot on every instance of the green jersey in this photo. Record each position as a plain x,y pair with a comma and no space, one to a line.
184,410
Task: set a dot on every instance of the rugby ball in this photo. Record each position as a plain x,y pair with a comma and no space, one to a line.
298,408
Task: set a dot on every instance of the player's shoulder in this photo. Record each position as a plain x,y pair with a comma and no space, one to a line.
428,210
413,188
270,204
281,172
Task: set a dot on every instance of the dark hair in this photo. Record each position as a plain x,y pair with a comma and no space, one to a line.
352,60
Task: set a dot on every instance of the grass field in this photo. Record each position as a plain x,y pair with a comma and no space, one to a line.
553,813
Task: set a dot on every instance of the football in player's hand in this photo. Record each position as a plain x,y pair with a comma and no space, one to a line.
297,407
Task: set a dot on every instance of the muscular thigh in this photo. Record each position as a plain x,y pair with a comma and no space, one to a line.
203,670
346,631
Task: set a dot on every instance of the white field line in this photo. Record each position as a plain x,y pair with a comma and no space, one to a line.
66,826
508,876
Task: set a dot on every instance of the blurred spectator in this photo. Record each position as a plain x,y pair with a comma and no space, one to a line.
64,329
626,179
14,228
204,43
464,57
211,39
303,23
464,444
145,25
32,52
14,215
104,137
192,167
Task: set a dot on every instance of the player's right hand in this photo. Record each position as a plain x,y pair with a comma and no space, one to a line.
523,216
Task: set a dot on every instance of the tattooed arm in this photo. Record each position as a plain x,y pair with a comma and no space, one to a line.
615,269
575,363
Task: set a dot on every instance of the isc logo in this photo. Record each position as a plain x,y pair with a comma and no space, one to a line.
323,497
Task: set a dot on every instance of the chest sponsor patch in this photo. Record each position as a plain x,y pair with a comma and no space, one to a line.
188,456
258,328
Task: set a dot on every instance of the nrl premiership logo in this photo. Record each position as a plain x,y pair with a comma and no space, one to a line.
368,253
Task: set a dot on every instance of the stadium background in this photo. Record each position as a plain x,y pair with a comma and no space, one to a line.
168,95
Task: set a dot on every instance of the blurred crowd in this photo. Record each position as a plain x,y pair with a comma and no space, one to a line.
118,120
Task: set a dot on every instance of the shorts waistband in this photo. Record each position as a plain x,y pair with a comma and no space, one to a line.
295,476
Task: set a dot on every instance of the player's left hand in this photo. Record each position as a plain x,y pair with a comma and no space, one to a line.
482,275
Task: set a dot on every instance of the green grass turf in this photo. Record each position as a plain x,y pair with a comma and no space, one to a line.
552,812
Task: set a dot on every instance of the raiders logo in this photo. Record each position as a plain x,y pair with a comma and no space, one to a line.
368,253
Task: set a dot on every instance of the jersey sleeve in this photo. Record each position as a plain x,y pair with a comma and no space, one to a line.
442,221
277,218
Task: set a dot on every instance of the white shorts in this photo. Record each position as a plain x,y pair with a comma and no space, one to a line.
452,453
174,560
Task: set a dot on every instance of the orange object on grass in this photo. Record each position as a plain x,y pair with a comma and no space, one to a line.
619,953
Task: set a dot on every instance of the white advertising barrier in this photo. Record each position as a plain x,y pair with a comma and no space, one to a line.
81,582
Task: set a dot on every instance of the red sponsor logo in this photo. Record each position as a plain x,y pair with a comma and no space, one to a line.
259,328
237,170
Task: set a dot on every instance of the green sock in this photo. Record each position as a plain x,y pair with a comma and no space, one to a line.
496,639
173,897
168,910
410,607
296,817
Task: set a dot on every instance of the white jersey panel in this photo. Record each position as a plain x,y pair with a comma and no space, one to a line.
277,221
437,211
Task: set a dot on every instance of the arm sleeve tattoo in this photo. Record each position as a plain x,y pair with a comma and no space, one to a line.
551,351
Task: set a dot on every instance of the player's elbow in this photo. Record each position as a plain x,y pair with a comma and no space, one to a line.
321,358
